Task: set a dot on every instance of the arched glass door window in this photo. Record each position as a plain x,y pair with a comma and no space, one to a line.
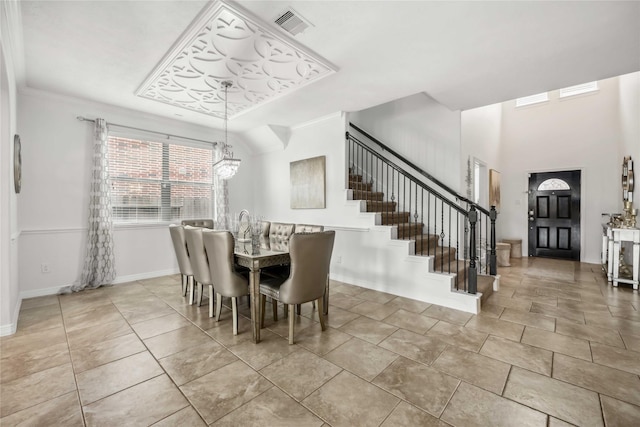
553,184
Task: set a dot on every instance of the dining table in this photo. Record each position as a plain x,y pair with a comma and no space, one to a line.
255,258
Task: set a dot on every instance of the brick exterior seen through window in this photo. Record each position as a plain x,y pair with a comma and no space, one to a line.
156,182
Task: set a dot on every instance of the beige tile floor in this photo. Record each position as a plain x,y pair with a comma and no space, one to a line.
555,346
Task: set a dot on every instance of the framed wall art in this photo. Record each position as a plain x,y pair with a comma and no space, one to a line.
494,189
17,163
308,183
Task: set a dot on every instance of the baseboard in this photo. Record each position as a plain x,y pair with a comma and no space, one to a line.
41,292
120,279
143,276
11,328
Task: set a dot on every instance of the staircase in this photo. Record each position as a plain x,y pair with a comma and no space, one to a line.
406,227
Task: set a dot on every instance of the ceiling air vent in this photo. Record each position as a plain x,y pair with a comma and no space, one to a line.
292,22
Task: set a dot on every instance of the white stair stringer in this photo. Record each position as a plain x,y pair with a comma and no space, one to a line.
365,254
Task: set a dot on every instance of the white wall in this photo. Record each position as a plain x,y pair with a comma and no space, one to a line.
364,253
481,131
420,129
9,231
271,193
629,89
54,202
582,132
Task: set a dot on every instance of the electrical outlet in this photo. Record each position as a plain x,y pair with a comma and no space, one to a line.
339,259
45,268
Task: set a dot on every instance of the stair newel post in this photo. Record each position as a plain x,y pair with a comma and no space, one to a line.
473,274
493,214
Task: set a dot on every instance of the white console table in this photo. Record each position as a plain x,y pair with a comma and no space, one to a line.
611,243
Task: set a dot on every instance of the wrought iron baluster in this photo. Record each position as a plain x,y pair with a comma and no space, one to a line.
415,215
422,220
450,238
429,223
492,264
442,235
473,275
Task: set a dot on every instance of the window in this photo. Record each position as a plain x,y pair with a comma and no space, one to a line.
553,184
159,181
533,99
578,89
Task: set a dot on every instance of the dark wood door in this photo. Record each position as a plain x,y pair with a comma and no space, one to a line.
554,214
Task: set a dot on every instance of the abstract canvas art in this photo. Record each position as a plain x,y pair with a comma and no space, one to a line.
494,189
308,183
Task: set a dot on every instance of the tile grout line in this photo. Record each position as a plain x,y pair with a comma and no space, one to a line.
73,370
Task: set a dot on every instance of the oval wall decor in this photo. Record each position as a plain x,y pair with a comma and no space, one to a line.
17,163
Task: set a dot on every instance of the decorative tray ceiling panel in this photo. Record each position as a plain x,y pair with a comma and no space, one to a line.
225,43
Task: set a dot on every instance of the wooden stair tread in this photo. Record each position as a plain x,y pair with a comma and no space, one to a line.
485,286
436,250
368,195
390,218
355,185
380,206
429,238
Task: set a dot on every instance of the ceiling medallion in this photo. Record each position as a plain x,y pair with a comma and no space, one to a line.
225,43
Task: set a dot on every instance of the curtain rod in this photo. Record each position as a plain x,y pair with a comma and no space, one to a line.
168,135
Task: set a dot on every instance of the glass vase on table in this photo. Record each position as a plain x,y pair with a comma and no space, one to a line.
256,231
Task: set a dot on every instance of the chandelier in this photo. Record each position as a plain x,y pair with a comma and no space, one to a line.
227,166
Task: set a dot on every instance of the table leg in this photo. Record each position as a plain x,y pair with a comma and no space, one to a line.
616,261
254,289
610,255
636,264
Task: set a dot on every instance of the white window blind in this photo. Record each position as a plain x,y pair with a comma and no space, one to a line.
155,182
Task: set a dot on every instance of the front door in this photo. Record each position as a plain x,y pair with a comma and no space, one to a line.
554,215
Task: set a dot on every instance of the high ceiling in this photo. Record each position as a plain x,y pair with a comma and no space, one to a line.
463,54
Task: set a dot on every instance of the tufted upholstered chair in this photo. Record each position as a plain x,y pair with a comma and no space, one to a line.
279,234
310,259
308,228
204,223
199,262
182,254
226,280
264,235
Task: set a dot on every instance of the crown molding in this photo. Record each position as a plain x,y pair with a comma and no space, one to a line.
12,38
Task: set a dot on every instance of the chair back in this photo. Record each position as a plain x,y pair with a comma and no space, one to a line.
264,235
197,255
180,247
308,228
204,223
279,234
310,259
219,247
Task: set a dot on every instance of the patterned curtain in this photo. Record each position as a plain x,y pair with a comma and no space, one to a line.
99,262
221,190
